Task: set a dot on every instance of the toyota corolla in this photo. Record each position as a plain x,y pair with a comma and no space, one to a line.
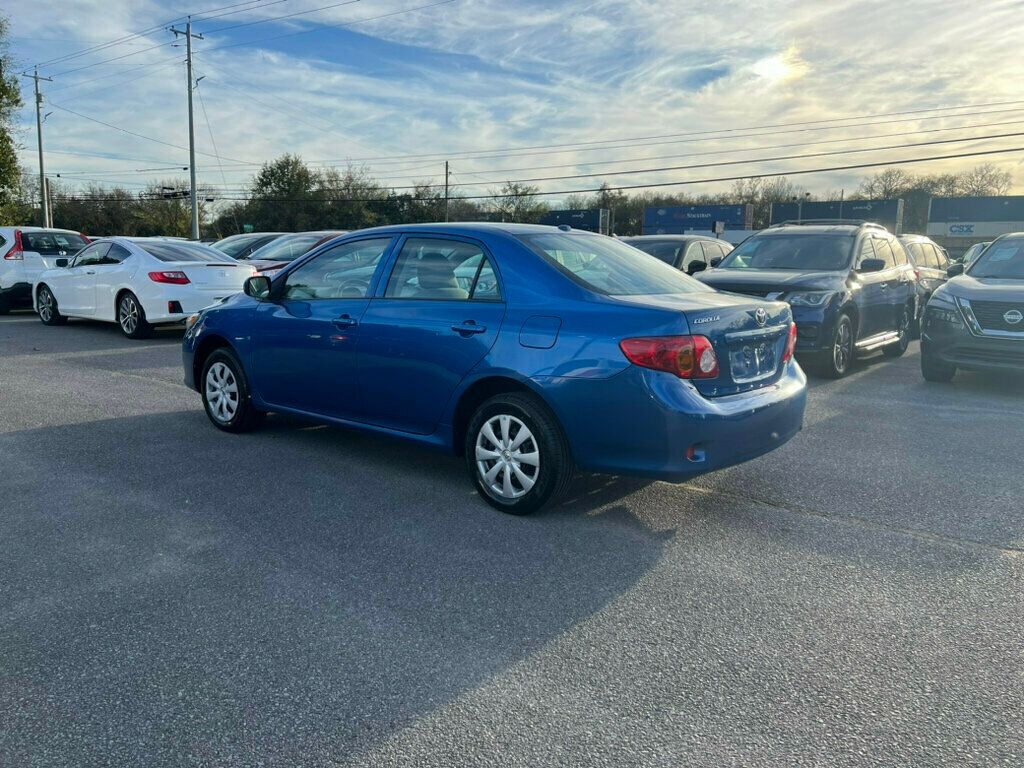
532,351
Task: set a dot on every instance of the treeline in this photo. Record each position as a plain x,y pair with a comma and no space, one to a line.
287,194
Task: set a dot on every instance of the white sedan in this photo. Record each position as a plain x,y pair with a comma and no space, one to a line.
137,283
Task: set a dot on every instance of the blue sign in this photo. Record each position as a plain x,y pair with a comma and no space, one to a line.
591,219
888,213
971,209
677,219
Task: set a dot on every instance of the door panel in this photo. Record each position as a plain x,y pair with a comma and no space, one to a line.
77,284
871,298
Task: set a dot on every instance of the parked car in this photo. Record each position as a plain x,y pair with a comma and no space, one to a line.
973,252
241,246
26,252
567,350
851,286
690,253
286,248
976,320
137,283
930,262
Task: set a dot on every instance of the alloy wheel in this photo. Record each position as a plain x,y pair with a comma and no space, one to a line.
842,351
45,305
129,315
507,457
221,392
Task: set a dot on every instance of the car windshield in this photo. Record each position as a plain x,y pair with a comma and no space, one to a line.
53,243
1002,259
810,252
607,266
664,250
182,251
288,248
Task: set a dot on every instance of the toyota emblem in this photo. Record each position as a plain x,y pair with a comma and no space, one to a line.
1013,317
762,317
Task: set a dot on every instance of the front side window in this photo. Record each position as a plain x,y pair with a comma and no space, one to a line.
91,255
434,268
883,251
342,272
605,265
1003,259
808,252
899,253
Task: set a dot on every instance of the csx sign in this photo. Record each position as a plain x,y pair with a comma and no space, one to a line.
961,229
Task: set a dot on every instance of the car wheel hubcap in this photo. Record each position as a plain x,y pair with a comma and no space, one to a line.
507,457
129,315
45,305
221,392
841,352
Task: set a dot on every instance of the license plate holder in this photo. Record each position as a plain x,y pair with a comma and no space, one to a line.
753,360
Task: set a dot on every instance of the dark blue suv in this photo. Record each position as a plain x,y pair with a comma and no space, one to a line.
851,286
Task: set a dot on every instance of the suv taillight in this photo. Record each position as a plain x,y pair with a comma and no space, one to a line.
688,357
17,253
790,344
173,277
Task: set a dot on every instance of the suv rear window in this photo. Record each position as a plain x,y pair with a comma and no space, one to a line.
183,252
811,252
53,243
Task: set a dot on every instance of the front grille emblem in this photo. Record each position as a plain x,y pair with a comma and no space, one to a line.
1013,317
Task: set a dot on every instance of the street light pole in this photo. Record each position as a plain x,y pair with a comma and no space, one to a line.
191,124
446,190
44,198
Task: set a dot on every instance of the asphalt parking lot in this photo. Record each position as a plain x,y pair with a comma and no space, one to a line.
308,596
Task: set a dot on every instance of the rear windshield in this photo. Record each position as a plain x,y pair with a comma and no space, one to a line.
605,265
166,251
1002,259
665,250
53,243
798,252
236,243
289,247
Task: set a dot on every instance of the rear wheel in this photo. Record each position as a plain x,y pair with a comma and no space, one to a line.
897,349
935,370
516,454
837,361
226,394
46,306
132,318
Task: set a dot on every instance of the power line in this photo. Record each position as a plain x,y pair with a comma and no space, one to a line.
279,18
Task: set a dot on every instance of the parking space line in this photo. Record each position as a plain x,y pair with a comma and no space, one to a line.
863,522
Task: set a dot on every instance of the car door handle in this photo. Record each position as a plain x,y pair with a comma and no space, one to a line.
345,321
90,271
468,328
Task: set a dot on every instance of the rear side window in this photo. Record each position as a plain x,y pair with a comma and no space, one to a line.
53,243
168,251
438,269
117,254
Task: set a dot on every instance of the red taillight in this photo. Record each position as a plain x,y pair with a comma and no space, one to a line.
17,253
790,344
689,357
917,275
84,237
174,278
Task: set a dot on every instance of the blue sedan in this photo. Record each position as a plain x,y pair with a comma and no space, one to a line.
532,351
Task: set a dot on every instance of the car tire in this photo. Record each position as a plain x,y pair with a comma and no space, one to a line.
935,370
516,473
836,363
5,305
226,395
46,307
131,317
897,349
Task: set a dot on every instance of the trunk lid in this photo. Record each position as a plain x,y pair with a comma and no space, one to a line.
221,277
748,335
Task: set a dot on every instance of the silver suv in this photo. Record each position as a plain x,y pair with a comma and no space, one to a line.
25,252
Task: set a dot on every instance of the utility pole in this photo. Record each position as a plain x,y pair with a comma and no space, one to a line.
191,125
446,190
44,198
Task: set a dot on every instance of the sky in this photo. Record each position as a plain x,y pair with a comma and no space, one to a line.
508,89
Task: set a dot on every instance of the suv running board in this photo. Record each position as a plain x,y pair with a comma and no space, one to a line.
878,340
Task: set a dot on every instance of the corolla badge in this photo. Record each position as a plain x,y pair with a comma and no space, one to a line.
1013,317
708,319
761,316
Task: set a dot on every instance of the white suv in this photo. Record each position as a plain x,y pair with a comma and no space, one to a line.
25,252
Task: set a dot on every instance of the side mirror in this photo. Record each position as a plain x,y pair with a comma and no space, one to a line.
954,269
257,286
872,265
62,262
695,266
715,261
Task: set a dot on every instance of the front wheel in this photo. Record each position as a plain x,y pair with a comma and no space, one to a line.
516,454
935,370
225,391
903,328
132,318
46,306
837,361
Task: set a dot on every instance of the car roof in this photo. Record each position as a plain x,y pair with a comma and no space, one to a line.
815,229
915,238
43,229
470,228
671,237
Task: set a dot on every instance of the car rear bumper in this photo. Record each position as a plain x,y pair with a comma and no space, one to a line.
643,422
17,292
